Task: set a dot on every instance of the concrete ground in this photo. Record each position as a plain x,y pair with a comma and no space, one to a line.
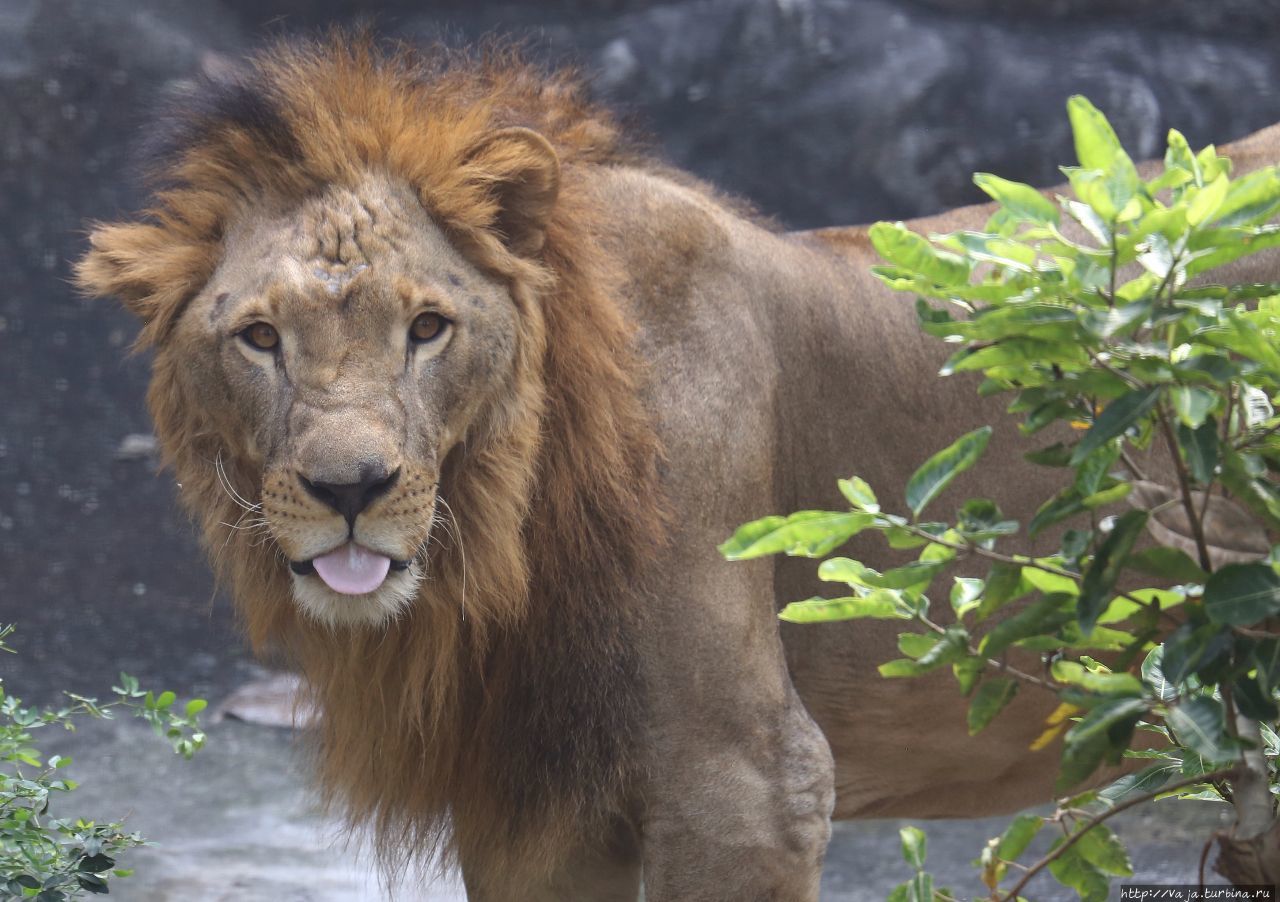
238,823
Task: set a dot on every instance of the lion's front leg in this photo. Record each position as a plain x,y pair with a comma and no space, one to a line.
604,869
740,792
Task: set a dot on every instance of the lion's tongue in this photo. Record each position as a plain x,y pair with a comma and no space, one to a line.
352,569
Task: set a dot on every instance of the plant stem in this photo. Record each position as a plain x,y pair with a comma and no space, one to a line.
1106,815
1184,484
999,665
1020,562
1255,811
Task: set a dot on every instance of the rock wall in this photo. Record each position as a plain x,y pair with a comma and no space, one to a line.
818,111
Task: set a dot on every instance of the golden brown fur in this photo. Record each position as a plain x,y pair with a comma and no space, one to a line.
485,719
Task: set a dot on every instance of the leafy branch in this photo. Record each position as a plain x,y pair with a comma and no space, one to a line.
52,859
1158,387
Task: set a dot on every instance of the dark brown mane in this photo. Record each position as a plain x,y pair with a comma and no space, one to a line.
494,719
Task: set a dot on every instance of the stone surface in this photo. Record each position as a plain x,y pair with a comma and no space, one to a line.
236,824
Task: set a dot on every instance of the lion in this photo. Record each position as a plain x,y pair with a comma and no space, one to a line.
464,392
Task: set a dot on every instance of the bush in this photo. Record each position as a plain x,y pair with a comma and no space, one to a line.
52,859
1098,315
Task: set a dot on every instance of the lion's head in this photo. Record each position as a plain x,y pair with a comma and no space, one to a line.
396,388
345,348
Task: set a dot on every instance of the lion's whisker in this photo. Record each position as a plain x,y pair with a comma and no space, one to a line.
462,551
225,482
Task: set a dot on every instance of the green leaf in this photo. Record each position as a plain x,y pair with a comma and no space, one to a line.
1045,321
988,701
1191,649
1004,584
1253,701
1100,578
1065,504
95,864
1266,657
1056,455
1200,726
952,646
967,670
1076,674
1179,156
1119,415
1217,247
1022,201
1041,617
1018,835
1102,849
1071,869
902,247
1101,734
937,472
1116,320
1147,780
1049,583
805,533
881,604
915,846
1089,220
966,594
1156,257
855,573
1251,199
1192,404
1200,449
1168,563
1206,201
1096,143
859,494
1242,594
1246,487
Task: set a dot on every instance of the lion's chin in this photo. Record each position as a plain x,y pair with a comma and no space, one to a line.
372,609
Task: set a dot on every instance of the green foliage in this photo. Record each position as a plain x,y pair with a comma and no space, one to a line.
52,859
1153,384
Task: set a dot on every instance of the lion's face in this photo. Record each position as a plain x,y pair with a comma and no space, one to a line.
344,347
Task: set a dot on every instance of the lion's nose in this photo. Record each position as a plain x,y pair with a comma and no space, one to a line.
350,498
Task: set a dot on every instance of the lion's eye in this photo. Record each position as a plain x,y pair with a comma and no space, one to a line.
262,336
427,327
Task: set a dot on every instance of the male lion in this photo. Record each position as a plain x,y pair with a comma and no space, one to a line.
492,389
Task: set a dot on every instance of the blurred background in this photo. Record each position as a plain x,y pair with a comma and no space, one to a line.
820,112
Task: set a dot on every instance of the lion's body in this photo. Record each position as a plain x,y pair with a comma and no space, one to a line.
581,685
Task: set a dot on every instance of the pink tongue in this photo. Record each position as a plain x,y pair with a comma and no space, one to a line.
352,569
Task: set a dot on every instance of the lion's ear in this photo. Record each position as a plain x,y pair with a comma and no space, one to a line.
522,170
142,266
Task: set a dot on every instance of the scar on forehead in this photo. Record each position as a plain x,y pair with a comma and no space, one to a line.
335,277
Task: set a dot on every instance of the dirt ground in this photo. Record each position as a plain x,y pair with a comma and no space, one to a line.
238,823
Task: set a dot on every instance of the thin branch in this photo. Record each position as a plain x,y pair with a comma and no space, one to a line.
1131,381
987,553
1132,465
999,665
1249,440
1106,815
1184,484
1250,789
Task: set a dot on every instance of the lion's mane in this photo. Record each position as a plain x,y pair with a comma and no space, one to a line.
496,720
